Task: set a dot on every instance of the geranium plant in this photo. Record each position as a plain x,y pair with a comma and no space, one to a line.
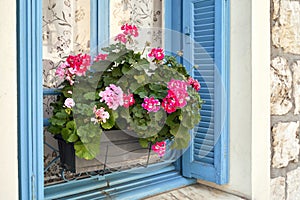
150,94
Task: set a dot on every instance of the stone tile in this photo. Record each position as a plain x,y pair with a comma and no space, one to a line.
277,188
285,143
281,86
276,9
296,86
195,192
293,184
285,32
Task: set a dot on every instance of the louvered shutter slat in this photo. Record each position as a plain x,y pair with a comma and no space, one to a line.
205,157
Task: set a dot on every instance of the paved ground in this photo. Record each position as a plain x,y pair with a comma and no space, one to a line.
195,192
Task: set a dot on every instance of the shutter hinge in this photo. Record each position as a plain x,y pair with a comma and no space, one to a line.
187,31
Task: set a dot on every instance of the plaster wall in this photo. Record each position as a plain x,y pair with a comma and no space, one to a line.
8,102
249,100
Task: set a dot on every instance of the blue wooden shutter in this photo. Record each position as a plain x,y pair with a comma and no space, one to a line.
204,21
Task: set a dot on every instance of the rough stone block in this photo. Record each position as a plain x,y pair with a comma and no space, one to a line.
286,29
281,86
293,184
296,86
285,144
277,188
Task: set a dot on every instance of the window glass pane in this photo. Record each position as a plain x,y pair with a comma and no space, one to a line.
66,30
142,13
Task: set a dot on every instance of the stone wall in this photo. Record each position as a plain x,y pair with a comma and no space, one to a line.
285,99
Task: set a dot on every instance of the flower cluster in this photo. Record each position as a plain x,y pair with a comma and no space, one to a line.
159,148
179,88
69,103
100,56
151,104
112,96
74,66
177,98
128,31
194,83
150,94
128,100
100,115
157,53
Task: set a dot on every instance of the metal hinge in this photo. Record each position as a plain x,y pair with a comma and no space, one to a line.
187,33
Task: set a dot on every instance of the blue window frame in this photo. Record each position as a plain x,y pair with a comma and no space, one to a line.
30,95
30,98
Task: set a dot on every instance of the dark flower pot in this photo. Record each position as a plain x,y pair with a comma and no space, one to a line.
118,150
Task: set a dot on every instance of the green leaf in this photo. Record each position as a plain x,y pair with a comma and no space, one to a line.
89,96
61,115
140,78
66,90
72,138
108,124
171,118
86,151
109,80
58,122
88,132
71,125
143,142
116,72
125,68
143,94
54,129
174,129
182,139
65,133
84,109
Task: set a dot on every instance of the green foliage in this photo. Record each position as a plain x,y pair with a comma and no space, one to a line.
87,151
134,74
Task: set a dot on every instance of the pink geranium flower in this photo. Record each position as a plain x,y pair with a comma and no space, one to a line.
194,83
159,148
151,104
179,88
177,84
100,115
85,64
121,38
130,30
74,65
157,53
100,57
74,61
69,103
60,72
112,96
128,100
170,102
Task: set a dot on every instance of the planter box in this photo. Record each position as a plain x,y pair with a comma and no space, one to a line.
118,150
